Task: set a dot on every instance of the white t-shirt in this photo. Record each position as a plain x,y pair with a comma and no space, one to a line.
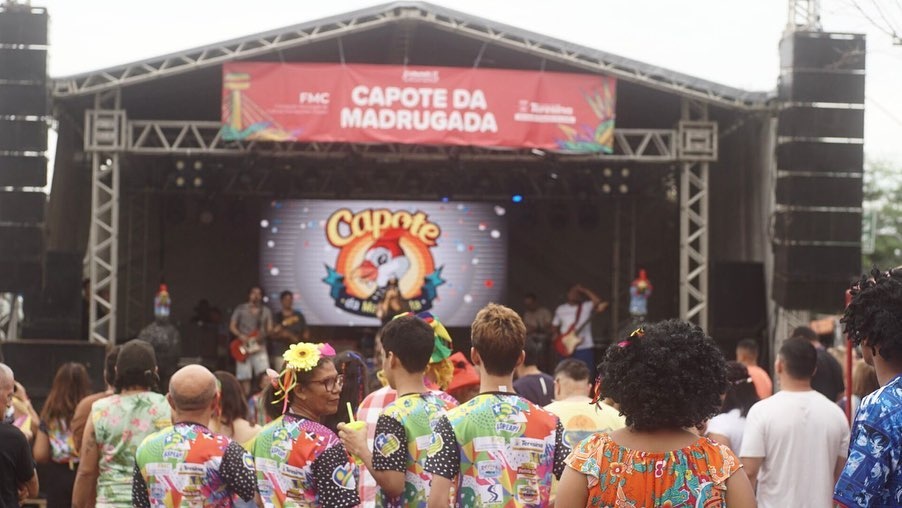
731,425
566,314
801,435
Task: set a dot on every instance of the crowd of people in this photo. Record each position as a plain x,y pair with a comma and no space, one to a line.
665,421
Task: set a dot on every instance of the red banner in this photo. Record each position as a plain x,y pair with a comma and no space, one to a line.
418,105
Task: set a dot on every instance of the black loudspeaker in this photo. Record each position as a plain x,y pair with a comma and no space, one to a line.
23,99
21,243
23,65
817,226
23,25
35,362
23,135
23,170
738,300
824,50
20,276
22,207
807,262
823,294
810,156
821,122
818,191
822,86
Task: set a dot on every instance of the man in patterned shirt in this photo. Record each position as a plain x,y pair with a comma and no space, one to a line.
873,473
405,430
187,464
502,448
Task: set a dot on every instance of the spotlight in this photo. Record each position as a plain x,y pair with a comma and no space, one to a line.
623,188
198,165
180,181
607,172
606,188
445,199
198,181
625,172
517,198
180,165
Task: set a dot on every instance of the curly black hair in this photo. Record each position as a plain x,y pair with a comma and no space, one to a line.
671,377
875,312
741,392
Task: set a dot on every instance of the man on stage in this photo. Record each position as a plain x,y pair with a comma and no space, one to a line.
251,323
575,316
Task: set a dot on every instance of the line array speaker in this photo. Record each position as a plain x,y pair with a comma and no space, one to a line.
23,25
22,207
23,170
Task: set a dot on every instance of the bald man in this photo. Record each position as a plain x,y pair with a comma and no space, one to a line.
189,462
18,480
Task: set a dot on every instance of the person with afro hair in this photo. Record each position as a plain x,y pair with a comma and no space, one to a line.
872,475
668,379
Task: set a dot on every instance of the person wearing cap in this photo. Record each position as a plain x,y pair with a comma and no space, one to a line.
118,424
299,461
465,381
404,430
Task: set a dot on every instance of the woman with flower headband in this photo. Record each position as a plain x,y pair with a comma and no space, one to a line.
299,461
726,428
668,379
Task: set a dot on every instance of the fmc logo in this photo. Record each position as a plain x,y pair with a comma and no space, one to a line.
378,246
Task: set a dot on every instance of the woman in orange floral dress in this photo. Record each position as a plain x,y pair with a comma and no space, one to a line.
668,379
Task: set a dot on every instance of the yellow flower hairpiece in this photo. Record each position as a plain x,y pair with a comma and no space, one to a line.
300,357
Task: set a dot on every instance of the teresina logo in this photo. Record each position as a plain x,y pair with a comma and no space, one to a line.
377,246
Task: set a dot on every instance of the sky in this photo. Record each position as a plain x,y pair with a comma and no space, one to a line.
726,41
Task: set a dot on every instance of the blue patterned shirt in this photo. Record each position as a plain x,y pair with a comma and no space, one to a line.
873,472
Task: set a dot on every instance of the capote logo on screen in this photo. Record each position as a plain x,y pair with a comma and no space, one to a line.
376,246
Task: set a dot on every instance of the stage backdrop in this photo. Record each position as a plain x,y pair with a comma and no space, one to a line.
337,257
418,105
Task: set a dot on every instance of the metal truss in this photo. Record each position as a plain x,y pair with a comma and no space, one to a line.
445,19
150,137
804,15
698,137
104,139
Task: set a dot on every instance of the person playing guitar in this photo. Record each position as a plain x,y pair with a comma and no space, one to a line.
573,324
251,323
290,328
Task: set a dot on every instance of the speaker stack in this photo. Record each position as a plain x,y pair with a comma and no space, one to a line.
820,161
23,144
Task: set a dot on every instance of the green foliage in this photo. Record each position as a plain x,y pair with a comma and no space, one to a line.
883,198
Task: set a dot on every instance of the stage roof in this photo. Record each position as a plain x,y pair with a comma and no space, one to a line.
397,23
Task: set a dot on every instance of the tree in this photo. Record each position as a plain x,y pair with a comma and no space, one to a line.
882,218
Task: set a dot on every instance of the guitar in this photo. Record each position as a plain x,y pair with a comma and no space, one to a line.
565,343
241,350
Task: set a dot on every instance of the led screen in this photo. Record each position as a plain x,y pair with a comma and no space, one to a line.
337,257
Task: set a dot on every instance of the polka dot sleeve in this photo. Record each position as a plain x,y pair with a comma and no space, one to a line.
139,490
390,446
237,470
335,479
445,462
561,450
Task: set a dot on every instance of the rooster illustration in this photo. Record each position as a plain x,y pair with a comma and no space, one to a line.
384,260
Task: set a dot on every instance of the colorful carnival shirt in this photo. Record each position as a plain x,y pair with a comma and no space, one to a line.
404,433
873,472
188,465
62,446
503,448
301,463
691,476
121,422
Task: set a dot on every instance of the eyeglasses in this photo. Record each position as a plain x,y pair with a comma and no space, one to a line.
330,383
